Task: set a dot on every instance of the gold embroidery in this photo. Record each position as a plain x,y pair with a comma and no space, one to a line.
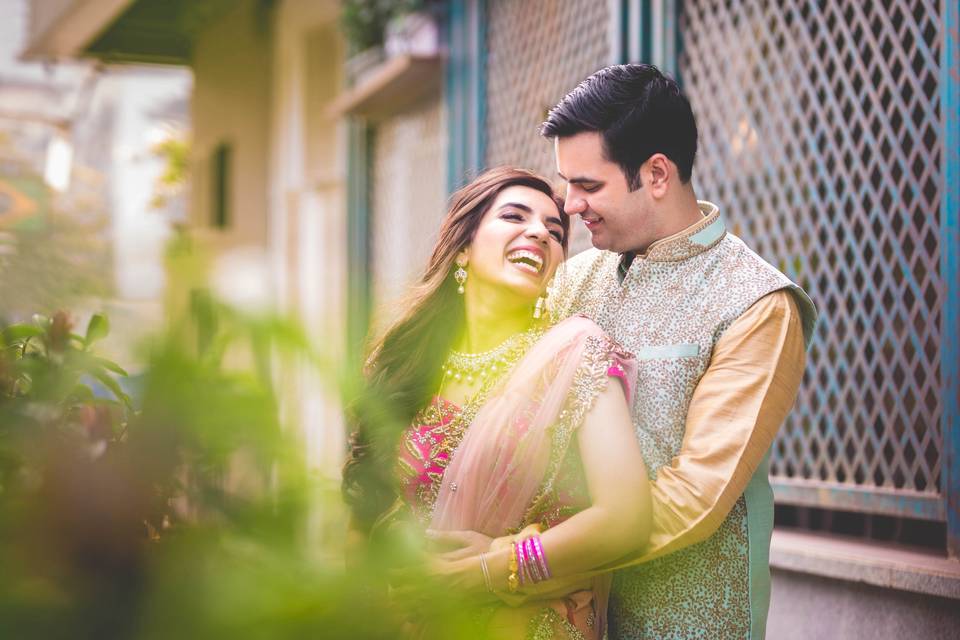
448,435
550,625
590,379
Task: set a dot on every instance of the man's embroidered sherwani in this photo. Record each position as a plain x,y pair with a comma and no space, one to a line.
719,336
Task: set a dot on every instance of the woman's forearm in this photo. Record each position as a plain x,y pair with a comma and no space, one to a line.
618,520
586,541
592,538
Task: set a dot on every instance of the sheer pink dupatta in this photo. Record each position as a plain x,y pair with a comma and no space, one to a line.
508,458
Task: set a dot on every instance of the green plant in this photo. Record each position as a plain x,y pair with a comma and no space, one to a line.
364,21
174,151
186,511
52,385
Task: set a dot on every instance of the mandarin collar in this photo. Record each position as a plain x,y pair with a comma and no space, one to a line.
690,242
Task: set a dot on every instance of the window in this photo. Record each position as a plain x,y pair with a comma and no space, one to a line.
221,177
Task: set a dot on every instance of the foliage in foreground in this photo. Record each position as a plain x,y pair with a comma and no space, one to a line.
176,504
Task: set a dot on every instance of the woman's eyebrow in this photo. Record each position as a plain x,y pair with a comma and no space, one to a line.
516,205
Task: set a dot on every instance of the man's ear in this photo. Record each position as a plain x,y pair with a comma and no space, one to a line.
658,170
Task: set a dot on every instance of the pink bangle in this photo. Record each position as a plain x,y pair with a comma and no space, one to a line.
534,568
521,562
541,558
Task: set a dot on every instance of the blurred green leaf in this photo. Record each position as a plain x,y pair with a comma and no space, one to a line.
209,462
17,332
111,384
81,393
97,328
111,366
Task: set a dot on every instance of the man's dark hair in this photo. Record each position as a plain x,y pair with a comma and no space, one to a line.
637,110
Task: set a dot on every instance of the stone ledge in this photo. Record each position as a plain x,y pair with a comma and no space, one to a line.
872,563
391,87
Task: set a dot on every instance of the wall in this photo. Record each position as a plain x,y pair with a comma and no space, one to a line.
307,224
805,607
409,198
264,79
231,103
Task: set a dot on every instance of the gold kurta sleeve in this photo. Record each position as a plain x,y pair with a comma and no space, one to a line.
737,407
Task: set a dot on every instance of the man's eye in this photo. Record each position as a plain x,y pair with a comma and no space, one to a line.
593,188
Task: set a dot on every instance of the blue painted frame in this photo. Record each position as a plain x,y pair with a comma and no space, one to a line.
650,32
359,136
465,90
635,31
950,271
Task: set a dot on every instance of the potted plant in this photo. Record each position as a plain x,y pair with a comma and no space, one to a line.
366,24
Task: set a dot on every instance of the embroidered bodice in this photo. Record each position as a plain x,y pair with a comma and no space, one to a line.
426,448
428,445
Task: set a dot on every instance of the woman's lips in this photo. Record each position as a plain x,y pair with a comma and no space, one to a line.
529,259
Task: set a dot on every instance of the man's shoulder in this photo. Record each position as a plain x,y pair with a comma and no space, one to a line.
587,258
582,267
587,263
751,263
755,271
576,277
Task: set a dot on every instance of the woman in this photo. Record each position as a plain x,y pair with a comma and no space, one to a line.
510,442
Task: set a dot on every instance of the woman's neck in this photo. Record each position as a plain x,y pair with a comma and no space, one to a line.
489,322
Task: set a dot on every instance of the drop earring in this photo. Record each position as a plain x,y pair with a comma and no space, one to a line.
460,275
538,308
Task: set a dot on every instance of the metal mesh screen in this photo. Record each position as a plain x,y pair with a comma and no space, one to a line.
821,140
537,52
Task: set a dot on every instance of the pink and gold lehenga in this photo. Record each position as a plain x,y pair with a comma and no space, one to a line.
509,459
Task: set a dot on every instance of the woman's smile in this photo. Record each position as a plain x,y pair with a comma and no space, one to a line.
530,259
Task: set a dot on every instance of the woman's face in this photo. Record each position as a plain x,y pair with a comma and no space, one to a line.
518,245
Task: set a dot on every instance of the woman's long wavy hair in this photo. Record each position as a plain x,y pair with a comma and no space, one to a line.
404,364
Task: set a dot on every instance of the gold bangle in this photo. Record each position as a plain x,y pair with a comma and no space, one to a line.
513,580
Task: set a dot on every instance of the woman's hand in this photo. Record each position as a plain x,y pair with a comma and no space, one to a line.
457,545
463,575
451,562
463,544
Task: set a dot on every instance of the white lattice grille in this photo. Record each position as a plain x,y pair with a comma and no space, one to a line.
821,139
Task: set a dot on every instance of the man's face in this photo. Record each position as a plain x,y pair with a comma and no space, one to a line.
597,191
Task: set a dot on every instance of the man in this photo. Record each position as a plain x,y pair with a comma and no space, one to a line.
720,339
